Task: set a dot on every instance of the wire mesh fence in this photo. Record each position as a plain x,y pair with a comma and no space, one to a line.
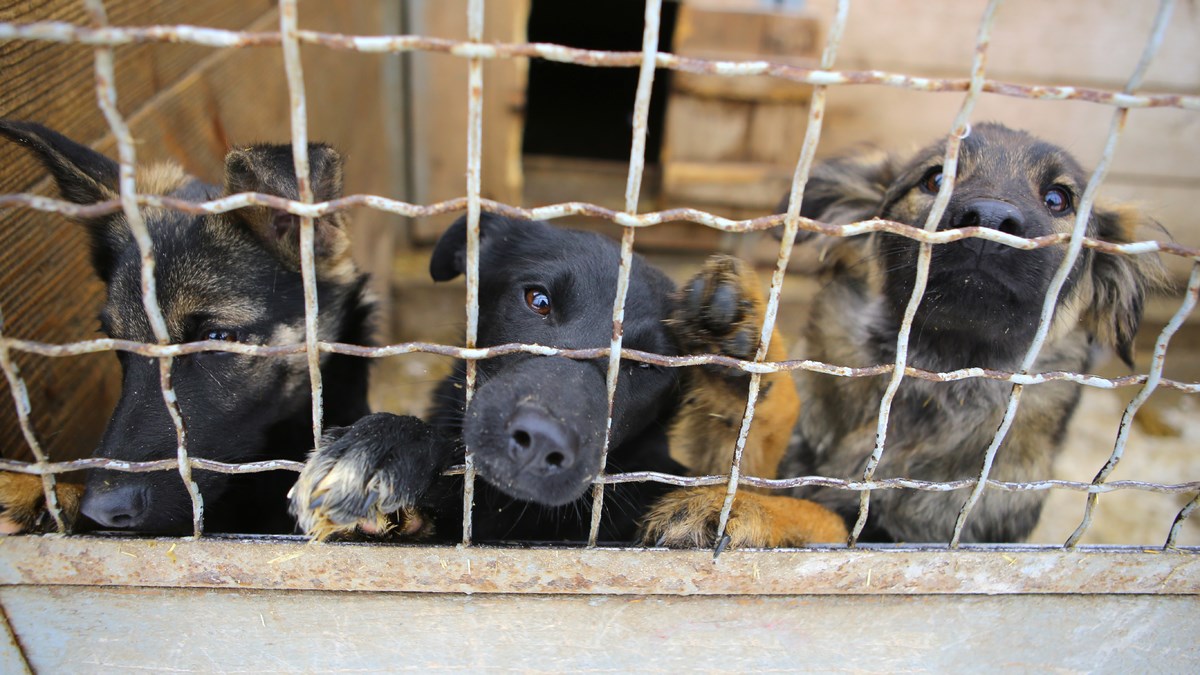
104,38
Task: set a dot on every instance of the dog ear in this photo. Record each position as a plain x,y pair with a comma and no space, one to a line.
848,189
450,254
269,169
84,176
1121,283
845,190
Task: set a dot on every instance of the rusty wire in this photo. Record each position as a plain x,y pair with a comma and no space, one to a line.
1186,511
1049,305
633,190
474,188
298,110
924,256
106,94
1152,380
554,211
50,468
56,31
812,136
20,395
104,37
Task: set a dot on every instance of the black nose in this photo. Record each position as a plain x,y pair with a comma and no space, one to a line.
122,508
539,443
991,213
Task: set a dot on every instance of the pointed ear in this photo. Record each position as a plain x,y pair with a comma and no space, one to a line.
845,189
1121,283
849,188
450,254
84,176
269,169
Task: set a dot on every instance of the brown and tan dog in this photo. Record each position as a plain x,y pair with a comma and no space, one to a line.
980,309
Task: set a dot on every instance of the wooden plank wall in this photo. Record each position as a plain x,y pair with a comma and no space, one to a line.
1094,44
187,104
439,91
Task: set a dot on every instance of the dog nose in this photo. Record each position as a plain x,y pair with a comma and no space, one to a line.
124,507
540,443
994,214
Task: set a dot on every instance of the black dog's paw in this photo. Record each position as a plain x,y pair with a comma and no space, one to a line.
369,478
23,504
719,311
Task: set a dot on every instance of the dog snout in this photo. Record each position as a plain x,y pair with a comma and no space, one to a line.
539,443
993,214
124,507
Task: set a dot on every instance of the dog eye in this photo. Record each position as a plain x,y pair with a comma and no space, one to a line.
220,334
538,300
1057,199
932,181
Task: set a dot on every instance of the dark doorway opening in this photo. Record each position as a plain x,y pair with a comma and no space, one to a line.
587,112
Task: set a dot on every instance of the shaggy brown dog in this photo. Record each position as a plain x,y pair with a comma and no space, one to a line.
981,308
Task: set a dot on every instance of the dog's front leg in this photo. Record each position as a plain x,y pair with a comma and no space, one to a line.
372,478
720,311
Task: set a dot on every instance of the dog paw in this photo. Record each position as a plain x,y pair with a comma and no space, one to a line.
23,504
688,518
369,479
719,311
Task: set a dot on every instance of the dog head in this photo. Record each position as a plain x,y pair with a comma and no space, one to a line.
536,424
231,277
984,299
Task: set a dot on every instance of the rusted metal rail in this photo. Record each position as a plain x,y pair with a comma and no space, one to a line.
292,564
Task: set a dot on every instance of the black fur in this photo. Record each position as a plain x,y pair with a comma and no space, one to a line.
535,424
218,277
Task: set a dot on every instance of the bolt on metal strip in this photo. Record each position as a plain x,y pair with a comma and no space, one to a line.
1152,381
960,131
474,188
553,211
812,136
20,395
297,100
53,31
1082,216
1186,511
106,94
633,190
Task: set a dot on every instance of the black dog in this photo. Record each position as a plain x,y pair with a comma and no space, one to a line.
536,424
228,277
980,309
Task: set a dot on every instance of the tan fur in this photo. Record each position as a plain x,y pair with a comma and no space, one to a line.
321,477
690,517
23,503
703,438
706,430
162,178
